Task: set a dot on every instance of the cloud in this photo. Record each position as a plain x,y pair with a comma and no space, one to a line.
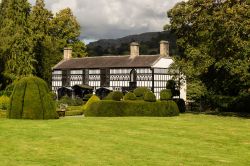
115,18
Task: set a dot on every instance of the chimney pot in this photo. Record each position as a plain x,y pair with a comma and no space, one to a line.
67,53
164,48
134,50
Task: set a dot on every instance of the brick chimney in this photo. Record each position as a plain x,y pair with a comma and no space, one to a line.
134,50
164,48
67,53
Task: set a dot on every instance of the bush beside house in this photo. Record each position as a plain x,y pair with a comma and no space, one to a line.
129,96
109,108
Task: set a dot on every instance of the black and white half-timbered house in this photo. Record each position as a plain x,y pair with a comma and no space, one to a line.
117,72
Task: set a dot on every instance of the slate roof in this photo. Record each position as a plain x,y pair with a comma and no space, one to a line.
108,62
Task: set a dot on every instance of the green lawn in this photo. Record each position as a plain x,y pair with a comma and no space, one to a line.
184,140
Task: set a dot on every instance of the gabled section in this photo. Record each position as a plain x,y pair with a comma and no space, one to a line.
163,63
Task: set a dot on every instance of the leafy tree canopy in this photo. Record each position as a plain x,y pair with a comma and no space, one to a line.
214,41
32,39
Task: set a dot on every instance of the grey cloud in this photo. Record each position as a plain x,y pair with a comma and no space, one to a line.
115,18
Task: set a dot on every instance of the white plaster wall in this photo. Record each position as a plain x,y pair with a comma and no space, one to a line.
163,63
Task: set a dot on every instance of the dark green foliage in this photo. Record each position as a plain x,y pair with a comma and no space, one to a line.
181,105
31,100
87,97
70,101
213,37
129,96
139,92
149,44
240,104
150,97
132,108
166,94
32,39
171,84
15,40
9,89
116,96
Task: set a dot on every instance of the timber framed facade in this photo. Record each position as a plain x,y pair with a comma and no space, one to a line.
121,73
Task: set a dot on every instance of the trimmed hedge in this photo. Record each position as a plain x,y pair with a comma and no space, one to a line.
115,95
93,99
129,96
166,94
139,92
74,113
150,97
106,108
31,100
4,102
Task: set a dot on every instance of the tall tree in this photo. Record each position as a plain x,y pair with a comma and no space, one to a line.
66,28
39,24
214,39
15,44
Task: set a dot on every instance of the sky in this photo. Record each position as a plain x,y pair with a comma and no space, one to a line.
109,19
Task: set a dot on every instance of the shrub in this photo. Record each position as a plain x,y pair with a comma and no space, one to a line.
74,113
171,84
241,104
4,102
139,92
181,105
132,108
70,101
9,89
150,97
165,94
130,96
116,96
93,99
87,97
31,99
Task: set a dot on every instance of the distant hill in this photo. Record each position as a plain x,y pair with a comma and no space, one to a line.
149,44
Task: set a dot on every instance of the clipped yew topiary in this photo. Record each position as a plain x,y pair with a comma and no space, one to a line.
165,94
150,97
116,96
130,96
92,99
140,91
31,99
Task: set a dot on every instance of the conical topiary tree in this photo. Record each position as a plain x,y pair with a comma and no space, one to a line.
31,99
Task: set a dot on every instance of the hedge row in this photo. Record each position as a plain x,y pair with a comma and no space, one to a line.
108,108
73,113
